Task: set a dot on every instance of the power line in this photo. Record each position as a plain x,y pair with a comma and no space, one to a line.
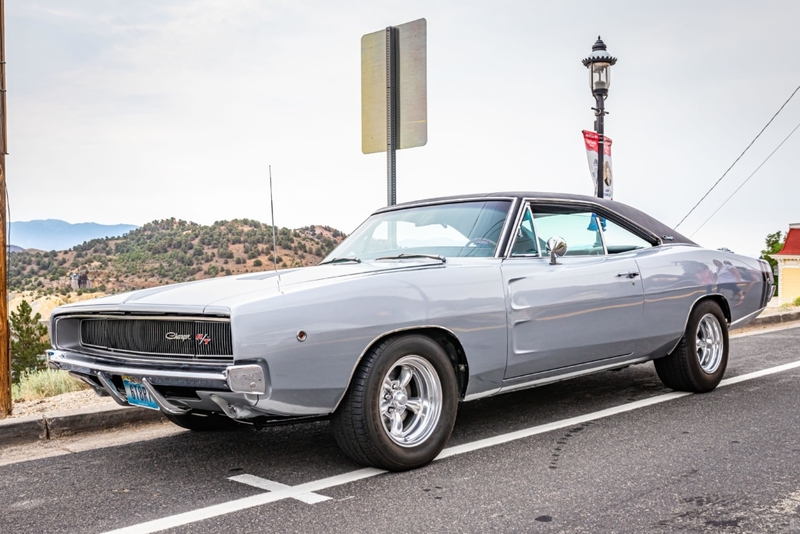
737,159
748,179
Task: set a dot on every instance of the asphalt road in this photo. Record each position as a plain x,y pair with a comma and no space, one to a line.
726,461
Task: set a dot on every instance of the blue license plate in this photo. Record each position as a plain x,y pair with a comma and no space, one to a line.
137,394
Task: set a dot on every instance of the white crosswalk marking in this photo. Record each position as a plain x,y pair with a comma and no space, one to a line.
269,485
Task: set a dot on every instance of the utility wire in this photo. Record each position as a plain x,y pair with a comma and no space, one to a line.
748,179
737,159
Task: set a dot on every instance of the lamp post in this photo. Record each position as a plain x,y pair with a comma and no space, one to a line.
599,64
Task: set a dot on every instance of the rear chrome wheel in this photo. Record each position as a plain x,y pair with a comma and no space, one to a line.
709,343
401,405
698,362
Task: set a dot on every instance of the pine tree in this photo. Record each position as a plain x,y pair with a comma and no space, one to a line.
29,340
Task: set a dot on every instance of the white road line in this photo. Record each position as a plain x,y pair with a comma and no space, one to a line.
309,487
512,436
548,427
269,485
759,374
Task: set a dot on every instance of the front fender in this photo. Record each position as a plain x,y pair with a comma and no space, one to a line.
342,319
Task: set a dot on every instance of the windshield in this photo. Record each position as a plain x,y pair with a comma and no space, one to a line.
465,229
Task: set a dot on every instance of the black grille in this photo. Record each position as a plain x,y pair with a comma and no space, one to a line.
174,338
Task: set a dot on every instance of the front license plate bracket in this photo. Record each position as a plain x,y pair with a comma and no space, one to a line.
137,394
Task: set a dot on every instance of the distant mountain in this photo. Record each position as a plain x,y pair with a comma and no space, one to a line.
168,251
53,234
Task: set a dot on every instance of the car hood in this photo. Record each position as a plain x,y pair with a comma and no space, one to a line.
219,295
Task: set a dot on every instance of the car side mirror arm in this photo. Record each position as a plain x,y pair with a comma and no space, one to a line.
557,247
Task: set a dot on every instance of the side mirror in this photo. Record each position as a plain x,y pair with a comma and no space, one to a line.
557,247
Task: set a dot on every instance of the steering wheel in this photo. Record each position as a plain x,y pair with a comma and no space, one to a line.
480,242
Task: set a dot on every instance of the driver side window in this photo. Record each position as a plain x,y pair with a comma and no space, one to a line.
580,230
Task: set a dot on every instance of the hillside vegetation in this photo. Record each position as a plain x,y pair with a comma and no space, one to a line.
169,251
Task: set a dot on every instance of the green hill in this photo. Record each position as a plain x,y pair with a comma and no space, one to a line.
169,251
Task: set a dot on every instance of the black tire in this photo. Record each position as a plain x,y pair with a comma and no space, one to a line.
683,369
203,422
360,428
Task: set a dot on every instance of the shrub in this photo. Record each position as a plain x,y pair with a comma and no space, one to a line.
257,263
34,385
797,301
28,341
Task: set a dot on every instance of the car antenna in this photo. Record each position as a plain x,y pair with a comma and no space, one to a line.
274,240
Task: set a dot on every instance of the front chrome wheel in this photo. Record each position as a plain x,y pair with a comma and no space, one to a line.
401,405
410,401
709,343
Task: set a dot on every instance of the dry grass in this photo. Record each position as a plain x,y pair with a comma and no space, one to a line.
45,383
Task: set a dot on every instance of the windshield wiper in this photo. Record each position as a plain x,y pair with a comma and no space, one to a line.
340,260
405,256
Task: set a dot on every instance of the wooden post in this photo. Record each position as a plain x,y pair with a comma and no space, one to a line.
5,352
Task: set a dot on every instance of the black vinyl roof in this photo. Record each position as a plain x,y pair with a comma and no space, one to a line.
636,216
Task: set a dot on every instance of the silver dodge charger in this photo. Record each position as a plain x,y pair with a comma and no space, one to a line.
426,304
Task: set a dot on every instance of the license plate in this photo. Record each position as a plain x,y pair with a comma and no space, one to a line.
137,394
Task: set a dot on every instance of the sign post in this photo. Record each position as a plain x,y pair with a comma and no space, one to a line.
394,102
391,115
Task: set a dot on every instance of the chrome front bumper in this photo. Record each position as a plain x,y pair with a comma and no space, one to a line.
233,383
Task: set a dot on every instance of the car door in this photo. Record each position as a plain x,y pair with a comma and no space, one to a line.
586,308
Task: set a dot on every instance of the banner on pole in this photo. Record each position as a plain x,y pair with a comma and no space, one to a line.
591,139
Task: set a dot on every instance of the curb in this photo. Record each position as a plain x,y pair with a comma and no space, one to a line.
51,426
56,425
777,318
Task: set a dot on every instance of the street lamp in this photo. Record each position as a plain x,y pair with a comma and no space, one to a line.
599,64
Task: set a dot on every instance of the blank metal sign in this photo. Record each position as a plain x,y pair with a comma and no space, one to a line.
412,92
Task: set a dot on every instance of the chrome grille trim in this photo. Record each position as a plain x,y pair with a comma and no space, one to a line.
146,317
143,337
159,360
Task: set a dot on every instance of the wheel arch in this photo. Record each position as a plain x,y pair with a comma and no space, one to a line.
442,336
714,297
719,299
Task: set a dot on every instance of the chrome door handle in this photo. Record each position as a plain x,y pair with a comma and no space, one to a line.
629,274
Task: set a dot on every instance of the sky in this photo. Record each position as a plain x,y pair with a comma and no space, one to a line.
127,112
